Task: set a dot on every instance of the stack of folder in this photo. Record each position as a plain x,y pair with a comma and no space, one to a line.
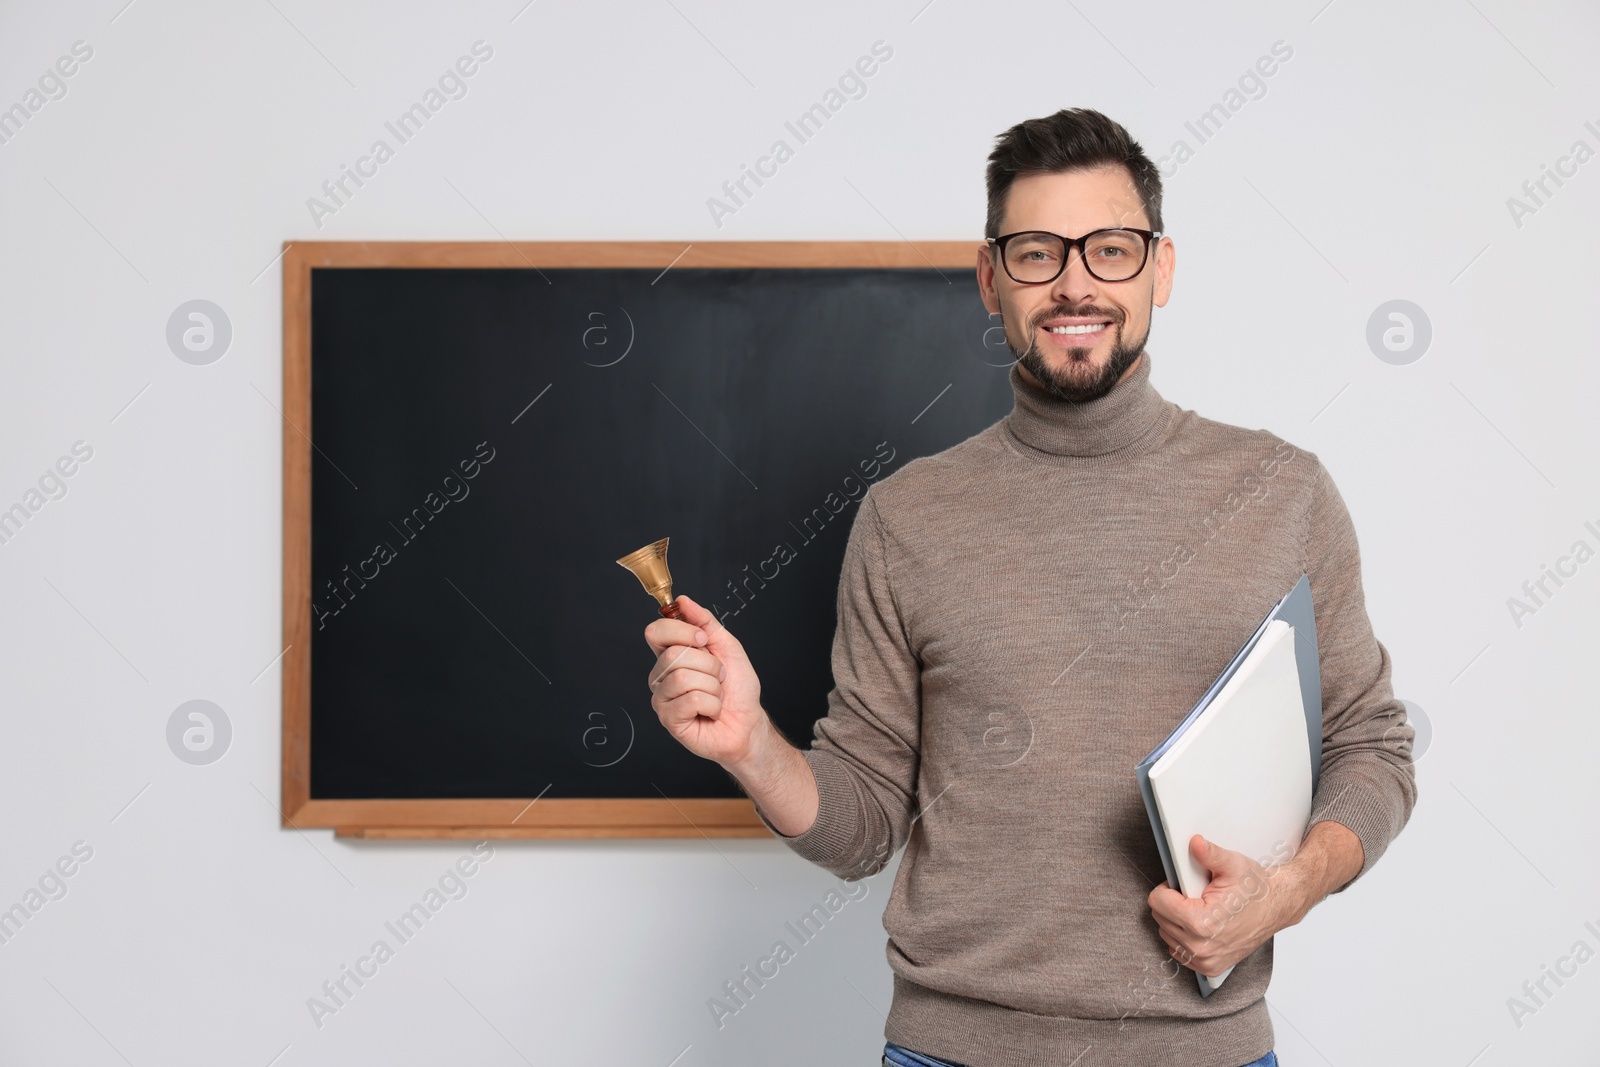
1241,768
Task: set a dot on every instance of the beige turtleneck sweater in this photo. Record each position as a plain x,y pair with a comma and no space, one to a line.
1022,617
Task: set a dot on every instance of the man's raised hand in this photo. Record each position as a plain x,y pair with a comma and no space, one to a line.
703,688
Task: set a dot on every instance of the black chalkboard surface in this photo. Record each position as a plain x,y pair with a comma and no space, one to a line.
489,441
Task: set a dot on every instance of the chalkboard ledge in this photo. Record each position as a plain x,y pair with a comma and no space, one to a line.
610,817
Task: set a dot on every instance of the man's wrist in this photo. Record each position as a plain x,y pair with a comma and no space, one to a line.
757,761
1304,878
1329,857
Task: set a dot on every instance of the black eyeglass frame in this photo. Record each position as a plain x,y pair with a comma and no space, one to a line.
1150,237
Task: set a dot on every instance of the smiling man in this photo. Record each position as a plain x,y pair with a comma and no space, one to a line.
1022,617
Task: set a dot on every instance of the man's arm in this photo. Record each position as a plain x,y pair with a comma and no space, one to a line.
1367,783
844,804
1366,789
865,753
706,692
777,777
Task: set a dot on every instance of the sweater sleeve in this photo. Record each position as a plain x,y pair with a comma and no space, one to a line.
1367,782
864,753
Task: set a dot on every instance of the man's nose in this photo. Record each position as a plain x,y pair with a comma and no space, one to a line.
1075,285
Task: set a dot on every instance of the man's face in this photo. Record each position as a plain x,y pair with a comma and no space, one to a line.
1076,367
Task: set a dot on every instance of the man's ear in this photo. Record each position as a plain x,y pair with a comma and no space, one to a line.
986,287
1166,262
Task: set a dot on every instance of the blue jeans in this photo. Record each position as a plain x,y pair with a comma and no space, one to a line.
899,1056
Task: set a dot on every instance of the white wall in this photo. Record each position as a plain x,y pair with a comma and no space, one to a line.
1377,166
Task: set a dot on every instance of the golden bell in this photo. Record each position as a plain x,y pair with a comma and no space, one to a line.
649,565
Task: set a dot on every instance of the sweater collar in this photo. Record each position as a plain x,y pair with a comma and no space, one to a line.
1121,419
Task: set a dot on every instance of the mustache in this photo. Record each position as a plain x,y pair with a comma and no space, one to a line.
1061,312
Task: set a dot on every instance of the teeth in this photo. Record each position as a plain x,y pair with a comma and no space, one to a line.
1092,328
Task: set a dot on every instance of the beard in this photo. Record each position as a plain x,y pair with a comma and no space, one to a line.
1076,380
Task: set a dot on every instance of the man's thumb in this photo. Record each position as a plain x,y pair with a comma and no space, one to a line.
695,615
1213,858
720,641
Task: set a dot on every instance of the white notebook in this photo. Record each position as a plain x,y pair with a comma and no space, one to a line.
1240,775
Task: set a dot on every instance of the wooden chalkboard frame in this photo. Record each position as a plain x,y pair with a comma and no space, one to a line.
515,817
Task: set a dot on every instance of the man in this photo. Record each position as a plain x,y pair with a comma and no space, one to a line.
1025,615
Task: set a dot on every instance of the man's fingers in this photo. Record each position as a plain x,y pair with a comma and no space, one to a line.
676,683
1202,963
1163,898
681,657
693,704
1178,950
1168,905
1176,911
1173,933
664,633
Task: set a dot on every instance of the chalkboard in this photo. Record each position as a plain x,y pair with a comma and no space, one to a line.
483,442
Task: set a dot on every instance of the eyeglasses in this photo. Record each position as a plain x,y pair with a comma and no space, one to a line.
1112,255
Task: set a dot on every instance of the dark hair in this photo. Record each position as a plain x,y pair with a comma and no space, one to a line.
1075,138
